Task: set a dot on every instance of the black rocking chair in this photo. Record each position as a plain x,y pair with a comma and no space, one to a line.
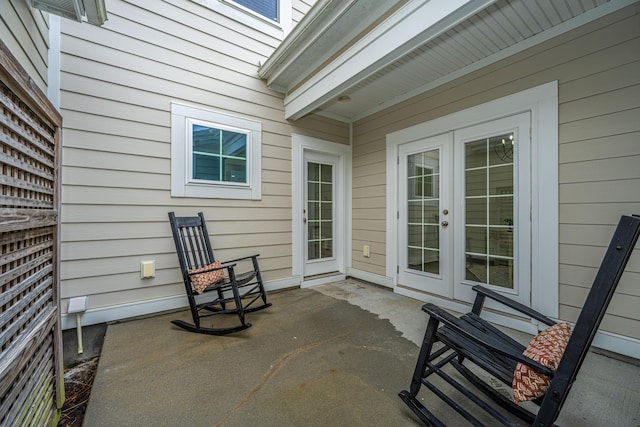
235,293
472,339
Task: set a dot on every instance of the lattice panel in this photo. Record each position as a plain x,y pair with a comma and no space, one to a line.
29,317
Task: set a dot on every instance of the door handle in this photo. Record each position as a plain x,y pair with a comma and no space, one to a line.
444,223
304,220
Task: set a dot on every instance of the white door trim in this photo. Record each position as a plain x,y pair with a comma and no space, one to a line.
300,144
542,102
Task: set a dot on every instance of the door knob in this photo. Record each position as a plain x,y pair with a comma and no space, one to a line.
444,223
304,220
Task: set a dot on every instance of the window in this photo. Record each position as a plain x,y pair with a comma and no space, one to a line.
214,155
272,17
266,8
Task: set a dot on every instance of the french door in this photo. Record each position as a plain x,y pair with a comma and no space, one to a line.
425,236
464,211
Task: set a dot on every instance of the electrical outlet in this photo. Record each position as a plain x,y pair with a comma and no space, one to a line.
366,251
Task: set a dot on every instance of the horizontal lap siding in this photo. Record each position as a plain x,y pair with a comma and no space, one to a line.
25,32
118,82
598,69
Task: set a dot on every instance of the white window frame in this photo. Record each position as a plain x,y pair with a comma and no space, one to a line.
218,126
246,16
182,183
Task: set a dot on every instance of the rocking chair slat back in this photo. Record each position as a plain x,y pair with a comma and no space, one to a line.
604,286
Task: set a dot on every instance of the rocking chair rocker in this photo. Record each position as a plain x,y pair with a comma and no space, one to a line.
235,293
472,339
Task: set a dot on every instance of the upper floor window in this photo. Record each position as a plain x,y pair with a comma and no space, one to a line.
272,17
266,8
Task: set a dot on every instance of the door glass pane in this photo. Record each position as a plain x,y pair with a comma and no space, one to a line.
489,210
423,206
319,210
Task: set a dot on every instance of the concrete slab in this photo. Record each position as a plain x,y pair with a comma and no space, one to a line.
335,354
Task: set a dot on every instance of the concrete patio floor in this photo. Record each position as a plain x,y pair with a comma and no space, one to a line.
606,393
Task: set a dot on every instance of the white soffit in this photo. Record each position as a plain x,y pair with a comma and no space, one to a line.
94,11
425,44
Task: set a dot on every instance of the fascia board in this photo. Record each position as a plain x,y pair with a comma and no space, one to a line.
290,48
413,25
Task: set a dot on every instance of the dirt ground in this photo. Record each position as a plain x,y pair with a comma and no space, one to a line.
77,383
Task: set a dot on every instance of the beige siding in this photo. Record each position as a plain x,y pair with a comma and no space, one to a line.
598,69
117,85
26,33
300,8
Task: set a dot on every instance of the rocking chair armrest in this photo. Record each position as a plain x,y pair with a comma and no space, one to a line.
513,304
240,259
486,341
222,267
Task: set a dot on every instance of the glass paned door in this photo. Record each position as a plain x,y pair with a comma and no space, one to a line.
423,205
489,213
493,228
319,211
423,232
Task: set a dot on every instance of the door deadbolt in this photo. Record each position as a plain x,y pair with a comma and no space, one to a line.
445,212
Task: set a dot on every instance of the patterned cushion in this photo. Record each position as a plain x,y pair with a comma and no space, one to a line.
203,280
547,349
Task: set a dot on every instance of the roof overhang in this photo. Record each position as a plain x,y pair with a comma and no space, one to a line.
94,11
348,59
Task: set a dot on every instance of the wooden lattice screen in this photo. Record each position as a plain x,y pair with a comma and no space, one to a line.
31,382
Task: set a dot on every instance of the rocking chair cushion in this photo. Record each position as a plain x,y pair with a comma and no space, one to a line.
202,281
546,348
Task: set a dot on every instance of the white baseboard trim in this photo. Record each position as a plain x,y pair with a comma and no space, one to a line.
307,283
620,344
377,279
617,344
145,308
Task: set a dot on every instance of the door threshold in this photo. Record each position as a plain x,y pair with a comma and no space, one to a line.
321,279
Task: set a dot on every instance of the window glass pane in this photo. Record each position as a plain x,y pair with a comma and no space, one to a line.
326,230
206,167
476,211
234,144
476,182
475,154
313,171
476,268
234,170
326,209
219,155
501,180
206,139
432,236
266,8
489,213
415,235
326,248
326,192
431,261
314,250
326,173
501,149
314,210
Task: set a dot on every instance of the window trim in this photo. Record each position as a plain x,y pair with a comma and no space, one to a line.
182,185
278,29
